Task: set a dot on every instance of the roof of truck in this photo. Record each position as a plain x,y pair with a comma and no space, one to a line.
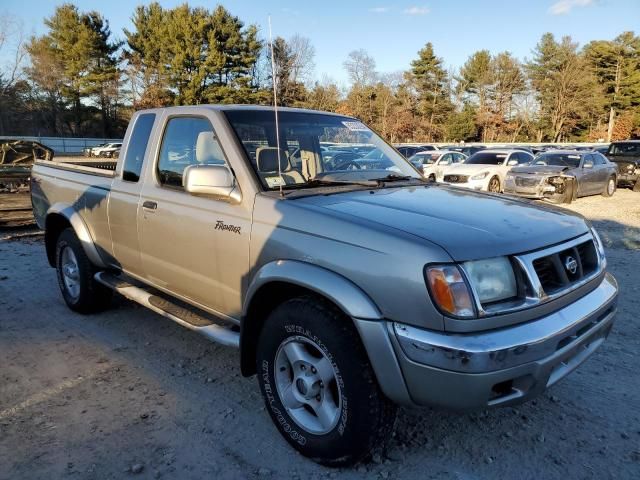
223,108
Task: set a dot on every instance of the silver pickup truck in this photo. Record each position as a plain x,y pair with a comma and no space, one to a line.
349,283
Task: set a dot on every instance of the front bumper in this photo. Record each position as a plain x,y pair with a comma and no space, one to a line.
480,185
537,190
500,367
624,178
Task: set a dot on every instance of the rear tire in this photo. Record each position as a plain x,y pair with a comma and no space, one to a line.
311,358
610,187
75,274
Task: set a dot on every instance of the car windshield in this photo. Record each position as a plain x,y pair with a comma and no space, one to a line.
487,158
625,149
558,159
356,155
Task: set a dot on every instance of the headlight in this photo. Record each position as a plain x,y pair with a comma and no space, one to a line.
449,290
493,279
556,180
480,176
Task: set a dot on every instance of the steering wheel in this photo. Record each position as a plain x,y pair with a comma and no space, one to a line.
347,164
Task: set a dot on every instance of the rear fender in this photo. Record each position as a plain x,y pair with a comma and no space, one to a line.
74,219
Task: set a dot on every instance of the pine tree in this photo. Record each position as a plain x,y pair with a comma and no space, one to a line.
431,83
562,81
616,65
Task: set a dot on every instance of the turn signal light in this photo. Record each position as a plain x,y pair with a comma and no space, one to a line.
449,290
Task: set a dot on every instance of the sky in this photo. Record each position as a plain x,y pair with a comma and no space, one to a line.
391,32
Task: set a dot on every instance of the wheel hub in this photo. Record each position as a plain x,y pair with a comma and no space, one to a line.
70,272
306,383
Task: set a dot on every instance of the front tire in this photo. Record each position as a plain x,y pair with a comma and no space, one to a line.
75,272
610,187
318,384
494,185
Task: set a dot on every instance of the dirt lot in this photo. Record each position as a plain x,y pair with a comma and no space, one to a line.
128,393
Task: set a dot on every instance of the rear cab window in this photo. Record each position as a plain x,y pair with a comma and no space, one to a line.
136,150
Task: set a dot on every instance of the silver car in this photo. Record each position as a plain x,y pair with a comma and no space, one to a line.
563,175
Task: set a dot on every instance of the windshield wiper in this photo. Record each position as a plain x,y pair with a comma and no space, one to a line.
321,181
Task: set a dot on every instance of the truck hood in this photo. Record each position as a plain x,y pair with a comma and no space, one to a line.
468,225
540,169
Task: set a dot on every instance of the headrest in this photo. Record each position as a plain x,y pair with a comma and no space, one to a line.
267,159
208,149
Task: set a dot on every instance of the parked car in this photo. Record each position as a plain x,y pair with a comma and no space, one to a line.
88,151
105,150
431,163
563,175
408,151
603,149
467,150
485,170
627,156
346,291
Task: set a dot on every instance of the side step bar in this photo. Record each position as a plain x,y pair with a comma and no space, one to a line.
183,316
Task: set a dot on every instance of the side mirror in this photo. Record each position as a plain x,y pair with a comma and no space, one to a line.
212,180
587,164
512,163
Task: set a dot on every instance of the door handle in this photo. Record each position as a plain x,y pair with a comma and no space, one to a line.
149,205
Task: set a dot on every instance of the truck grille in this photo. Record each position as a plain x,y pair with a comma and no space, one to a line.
456,178
562,269
527,181
547,274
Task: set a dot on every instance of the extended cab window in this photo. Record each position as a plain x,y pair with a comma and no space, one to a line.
187,141
137,147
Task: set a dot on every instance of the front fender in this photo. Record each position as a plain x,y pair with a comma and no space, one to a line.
79,227
341,291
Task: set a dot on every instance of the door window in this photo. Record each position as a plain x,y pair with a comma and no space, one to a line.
187,141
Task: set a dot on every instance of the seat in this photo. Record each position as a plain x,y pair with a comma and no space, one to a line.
267,163
208,151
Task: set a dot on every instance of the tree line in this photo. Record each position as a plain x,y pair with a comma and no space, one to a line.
79,79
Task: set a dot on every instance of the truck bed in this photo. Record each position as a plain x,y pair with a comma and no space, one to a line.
104,167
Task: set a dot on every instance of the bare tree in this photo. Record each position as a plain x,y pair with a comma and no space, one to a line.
11,40
302,59
361,68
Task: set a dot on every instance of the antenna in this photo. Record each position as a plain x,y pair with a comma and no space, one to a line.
275,105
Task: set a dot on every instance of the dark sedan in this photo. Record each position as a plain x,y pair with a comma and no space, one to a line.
563,175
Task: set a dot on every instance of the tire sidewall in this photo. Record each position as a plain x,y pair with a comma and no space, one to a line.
491,181
67,239
340,441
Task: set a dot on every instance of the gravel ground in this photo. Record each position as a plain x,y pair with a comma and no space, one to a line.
128,393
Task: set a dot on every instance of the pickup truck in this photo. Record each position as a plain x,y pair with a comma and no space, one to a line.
626,155
349,288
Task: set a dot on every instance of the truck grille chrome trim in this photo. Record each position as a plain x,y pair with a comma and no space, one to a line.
548,274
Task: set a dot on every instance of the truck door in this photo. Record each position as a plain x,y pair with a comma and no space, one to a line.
125,195
196,247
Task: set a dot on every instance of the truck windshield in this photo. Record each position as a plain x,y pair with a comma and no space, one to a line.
315,149
625,149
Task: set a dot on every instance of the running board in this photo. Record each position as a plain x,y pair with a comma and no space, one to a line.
178,314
